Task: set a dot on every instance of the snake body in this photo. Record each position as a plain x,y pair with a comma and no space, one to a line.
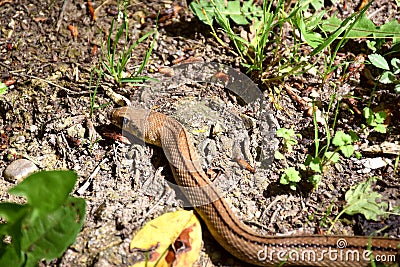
233,235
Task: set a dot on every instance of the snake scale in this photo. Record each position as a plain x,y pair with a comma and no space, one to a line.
233,235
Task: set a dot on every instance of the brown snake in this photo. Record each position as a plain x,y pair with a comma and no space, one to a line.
237,238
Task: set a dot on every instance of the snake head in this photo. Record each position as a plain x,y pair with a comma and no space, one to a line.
131,120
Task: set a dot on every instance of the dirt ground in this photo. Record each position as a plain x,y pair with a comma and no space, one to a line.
46,118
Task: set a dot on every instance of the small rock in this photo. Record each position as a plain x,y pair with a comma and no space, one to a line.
375,163
19,169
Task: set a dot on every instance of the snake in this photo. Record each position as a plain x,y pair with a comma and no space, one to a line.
226,228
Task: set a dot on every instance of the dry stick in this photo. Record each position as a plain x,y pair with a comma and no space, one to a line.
85,186
61,15
105,2
46,81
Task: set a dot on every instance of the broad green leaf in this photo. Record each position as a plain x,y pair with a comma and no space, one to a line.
390,29
332,156
354,137
387,77
317,4
10,257
50,235
380,116
380,128
361,199
331,24
54,189
292,174
204,11
233,9
347,150
363,28
45,230
378,61
13,214
315,164
369,116
341,139
312,38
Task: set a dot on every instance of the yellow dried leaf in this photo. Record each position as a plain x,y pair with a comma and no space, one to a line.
173,239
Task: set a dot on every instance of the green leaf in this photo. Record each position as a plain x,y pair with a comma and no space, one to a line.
10,257
371,45
387,77
378,61
49,236
369,116
38,230
347,150
285,133
332,156
317,4
290,176
341,139
233,9
293,174
209,11
315,164
3,88
380,117
361,199
331,24
380,128
315,180
278,155
390,29
54,189
396,65
362,28
397,89
354,137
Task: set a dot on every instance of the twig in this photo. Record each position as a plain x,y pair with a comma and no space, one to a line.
61,15
46,81
88,181
105,2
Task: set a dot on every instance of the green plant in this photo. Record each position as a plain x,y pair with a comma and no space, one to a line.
46,225
266,27
375,119
116,59
291,177
242,14
289,138
93,94
3,88
388,76
361,199
342,141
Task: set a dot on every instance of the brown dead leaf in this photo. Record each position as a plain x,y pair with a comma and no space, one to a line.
91,10
73,30
244,164
173,239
